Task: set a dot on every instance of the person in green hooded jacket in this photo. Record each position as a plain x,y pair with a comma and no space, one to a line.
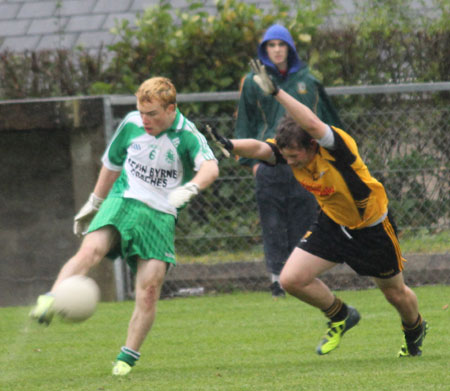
286,209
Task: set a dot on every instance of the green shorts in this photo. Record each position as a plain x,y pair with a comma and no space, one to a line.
145,233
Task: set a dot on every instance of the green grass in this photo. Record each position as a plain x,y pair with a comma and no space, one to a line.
240,341
425,242
251,254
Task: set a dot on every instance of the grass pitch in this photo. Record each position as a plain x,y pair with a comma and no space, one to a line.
240,341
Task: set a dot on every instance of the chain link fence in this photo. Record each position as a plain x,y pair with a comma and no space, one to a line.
402,132
404,138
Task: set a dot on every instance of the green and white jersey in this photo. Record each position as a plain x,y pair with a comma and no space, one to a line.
154,166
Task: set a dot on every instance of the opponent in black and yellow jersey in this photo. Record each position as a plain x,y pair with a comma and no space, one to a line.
354,226
341,183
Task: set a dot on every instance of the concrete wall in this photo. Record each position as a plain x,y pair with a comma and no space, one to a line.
50,153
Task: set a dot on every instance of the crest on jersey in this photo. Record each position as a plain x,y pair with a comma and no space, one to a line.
301,88
170,157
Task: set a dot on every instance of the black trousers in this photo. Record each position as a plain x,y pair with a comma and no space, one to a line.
286,211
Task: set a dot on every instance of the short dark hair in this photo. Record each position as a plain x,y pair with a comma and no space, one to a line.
291,135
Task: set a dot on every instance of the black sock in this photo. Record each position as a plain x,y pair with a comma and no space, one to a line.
413,331
337,312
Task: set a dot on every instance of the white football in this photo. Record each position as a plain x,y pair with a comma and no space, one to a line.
76,298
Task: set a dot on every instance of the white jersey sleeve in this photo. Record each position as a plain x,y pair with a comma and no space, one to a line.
327,141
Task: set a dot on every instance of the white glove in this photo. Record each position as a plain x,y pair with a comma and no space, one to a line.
86,214
183,194
263,79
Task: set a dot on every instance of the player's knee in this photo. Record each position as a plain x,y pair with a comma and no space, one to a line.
147,296
286,283
292,282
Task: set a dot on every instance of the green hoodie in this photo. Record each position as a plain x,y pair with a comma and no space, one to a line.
259,114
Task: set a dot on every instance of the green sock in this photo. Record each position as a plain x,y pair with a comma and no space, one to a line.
128,355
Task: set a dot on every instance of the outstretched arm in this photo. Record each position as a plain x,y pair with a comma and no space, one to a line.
253,149
298,111
244,147
302,115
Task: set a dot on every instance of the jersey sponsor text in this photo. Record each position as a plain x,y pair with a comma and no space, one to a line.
154,176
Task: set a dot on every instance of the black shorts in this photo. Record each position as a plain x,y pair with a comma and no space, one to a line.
373,251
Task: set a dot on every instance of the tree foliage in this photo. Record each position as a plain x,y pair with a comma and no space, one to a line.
384,41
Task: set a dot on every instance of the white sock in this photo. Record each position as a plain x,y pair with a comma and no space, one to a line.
275,277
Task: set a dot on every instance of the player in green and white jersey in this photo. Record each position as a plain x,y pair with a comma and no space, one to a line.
155,163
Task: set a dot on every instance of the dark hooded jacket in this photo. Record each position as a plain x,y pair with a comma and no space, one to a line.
259,114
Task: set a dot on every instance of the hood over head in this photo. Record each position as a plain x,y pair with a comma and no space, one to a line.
280,32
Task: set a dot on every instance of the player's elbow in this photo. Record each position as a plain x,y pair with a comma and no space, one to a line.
264,152
213,169
208,173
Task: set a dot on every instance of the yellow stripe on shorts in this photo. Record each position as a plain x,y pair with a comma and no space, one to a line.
389,229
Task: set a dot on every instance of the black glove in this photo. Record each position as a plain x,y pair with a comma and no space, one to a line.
225,145
262,78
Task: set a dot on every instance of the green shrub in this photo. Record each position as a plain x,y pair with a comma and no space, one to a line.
384,42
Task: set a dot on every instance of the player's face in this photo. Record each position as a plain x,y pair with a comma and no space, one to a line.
277,51
155,117
298,157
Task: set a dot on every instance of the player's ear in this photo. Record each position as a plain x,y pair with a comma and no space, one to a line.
171,107
314,144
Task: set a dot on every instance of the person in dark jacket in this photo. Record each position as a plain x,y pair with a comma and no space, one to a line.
286,209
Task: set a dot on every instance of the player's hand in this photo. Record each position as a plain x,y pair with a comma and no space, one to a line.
86,214
225,145
262,78
183,194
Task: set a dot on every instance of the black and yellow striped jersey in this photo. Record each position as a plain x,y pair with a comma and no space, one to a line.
342,184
